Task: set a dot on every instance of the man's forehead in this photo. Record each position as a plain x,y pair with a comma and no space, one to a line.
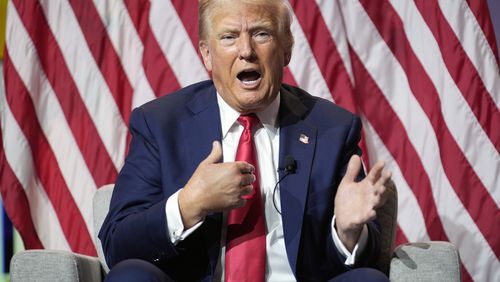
236,22
251,16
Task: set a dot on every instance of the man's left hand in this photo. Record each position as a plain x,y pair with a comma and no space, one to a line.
356,202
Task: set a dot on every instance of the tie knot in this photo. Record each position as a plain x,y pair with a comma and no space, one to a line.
248,121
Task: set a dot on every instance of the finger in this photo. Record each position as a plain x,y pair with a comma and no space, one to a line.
381,189
245,167
247,190
371,215
384,179
247,179
375,173
353,168
215,155
240,203
382,183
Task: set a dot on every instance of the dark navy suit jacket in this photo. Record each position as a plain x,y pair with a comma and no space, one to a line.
173,134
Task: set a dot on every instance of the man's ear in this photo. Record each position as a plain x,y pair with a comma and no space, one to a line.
205,54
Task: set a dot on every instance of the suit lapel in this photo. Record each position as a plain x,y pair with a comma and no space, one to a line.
199,131
298,139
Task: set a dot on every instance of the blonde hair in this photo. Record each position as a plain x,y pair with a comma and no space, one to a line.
283,18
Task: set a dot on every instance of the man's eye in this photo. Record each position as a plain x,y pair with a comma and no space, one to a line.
262,36
227,37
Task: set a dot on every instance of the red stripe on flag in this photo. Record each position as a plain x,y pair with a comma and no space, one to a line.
462,70
158,71
464,180
325,51
480,10
105,55
89,142
46,166
391,131
16,203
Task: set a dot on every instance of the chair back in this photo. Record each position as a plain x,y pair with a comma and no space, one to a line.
387,217
100,204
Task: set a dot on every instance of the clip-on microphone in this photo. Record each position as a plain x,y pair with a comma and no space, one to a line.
290,168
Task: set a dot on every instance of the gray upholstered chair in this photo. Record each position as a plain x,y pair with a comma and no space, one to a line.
423,261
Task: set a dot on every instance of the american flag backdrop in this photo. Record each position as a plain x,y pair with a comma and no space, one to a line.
423,75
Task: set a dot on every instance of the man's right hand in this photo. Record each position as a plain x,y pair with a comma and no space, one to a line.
215,187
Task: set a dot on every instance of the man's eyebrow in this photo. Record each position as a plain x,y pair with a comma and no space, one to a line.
236,29
229,29
264,24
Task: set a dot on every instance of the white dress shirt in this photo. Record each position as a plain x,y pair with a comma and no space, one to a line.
266,140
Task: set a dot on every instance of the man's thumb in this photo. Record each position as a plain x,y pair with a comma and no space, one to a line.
353,168
215,155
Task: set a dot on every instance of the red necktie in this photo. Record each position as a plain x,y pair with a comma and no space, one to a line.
246,230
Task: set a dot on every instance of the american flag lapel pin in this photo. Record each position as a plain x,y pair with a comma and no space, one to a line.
304,139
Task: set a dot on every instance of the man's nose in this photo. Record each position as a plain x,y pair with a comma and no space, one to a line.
246,48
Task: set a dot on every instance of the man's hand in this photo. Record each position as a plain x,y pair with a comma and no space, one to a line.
215,187
356,202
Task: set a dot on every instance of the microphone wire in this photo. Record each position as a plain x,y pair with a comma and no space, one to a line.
287,172
290,167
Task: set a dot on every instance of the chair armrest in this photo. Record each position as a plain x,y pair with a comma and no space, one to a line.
48,265
425,261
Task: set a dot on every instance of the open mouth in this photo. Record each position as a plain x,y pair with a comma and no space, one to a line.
249,77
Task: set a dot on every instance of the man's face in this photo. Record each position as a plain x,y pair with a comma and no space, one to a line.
244,54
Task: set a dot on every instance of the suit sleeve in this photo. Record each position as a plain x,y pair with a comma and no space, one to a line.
135,226
371,251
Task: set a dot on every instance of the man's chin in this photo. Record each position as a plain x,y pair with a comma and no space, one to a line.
253,105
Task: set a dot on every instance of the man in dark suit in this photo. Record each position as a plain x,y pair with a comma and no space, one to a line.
173,201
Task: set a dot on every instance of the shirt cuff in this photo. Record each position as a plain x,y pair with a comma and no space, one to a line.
358,248
175,226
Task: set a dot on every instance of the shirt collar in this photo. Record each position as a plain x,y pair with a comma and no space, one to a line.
268,117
